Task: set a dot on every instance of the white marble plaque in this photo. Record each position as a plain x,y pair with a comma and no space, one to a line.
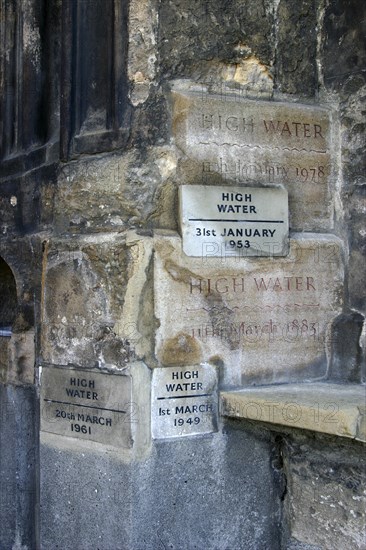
184,401
87,405
233,221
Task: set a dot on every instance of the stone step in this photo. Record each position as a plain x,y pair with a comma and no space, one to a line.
334,409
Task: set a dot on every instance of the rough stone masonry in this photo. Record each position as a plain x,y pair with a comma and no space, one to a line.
107,109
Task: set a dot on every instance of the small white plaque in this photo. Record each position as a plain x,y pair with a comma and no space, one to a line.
184,401
234,221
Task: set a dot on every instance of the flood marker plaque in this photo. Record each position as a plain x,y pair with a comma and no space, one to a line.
87,405
184,401
234,221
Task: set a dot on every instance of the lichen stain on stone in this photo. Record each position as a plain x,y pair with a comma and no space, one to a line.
251,71
245,70
217,360
221,320
181,108
142,55
165,205
4,359
135,254
179,273
68,294
180,351
167,164
31,35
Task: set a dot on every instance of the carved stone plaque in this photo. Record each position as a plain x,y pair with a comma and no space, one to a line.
234,221
264,319
87,405
235,141
184,401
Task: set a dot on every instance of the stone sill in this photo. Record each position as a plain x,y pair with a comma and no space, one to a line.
334,409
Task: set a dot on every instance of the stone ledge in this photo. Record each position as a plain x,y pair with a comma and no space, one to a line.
321,407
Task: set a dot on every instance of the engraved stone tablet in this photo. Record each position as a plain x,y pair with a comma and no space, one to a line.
236,221
264,319
184,401
239,141
87,405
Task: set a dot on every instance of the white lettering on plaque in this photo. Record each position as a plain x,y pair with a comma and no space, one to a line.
184,401
234,221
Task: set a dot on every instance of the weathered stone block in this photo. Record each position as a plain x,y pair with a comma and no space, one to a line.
209,499
21,356
328,408
84,285
213,32
4,358
265,320
114,192
347,353
18,466
296,69
343,53
228,139
325,500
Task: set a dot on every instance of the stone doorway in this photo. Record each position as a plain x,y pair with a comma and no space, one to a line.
18,420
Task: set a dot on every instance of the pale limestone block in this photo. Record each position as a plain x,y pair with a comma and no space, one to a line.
320,407
131,325
142,51
224,138
21,357
116,192
263,319
83,289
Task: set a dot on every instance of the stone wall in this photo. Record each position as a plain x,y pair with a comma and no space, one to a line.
112,98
